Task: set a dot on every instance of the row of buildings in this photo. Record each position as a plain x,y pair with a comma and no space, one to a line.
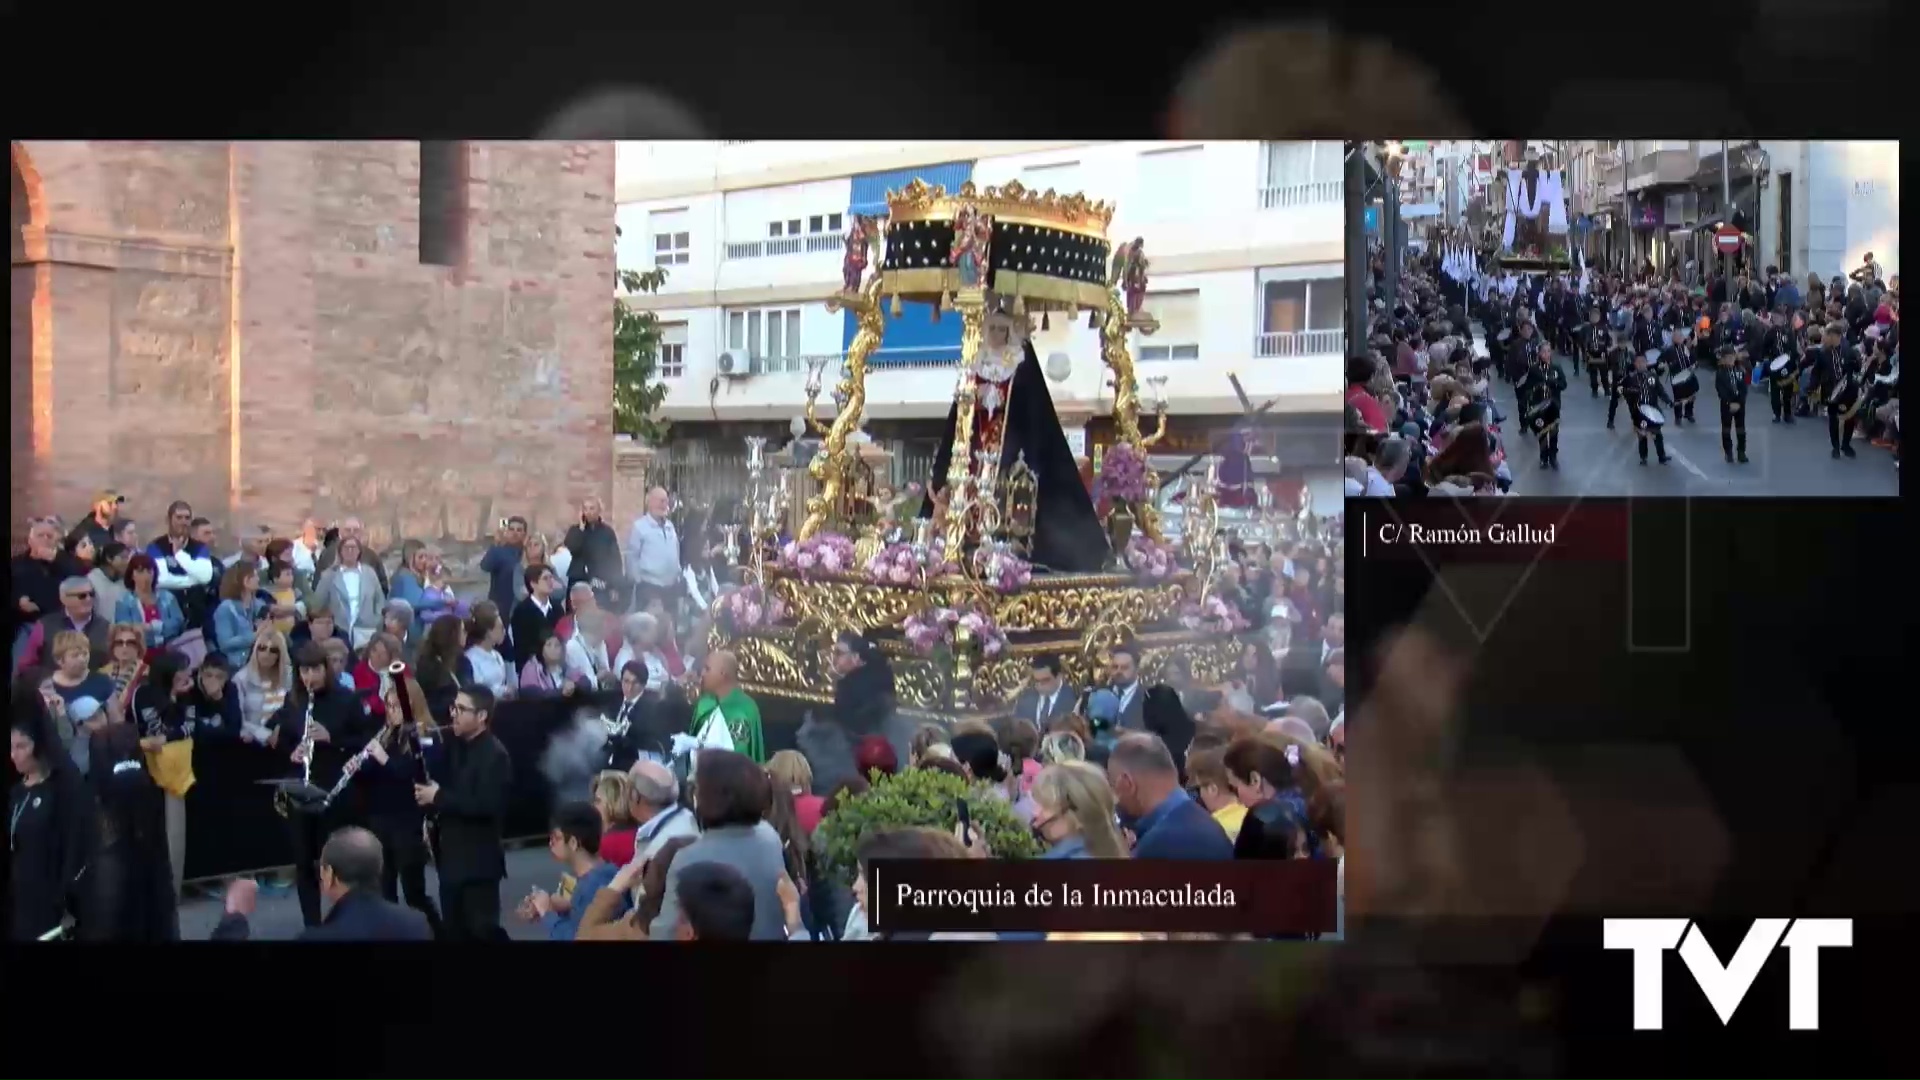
1809,206
1244,239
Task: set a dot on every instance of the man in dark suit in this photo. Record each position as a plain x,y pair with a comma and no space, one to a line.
350,880
1048,697
1123,678
470,811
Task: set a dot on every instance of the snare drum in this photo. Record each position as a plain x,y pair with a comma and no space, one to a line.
1651,416
1780,367
1684,384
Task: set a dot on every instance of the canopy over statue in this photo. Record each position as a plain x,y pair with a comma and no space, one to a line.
1534,228
1001,258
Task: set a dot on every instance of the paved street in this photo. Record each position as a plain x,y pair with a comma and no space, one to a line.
278,916
1784,461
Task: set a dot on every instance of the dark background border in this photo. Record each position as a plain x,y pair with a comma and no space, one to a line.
1413,991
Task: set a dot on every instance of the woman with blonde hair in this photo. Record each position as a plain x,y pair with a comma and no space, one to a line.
613,797
263,681
1073,813
790,769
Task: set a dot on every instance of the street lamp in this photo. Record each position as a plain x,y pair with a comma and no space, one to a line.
1756,159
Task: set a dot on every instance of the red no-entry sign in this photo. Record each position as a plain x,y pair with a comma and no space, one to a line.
1727,239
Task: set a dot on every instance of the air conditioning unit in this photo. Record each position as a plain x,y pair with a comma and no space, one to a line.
734,365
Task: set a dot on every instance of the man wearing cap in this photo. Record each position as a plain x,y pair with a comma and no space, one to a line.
1730,383
99,523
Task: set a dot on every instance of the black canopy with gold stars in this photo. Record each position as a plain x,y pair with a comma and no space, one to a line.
1049,268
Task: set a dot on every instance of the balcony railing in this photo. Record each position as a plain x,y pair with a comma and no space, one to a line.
784,245
905,358
1284,196
1301,343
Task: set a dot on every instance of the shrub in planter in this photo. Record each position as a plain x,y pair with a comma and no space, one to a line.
925,797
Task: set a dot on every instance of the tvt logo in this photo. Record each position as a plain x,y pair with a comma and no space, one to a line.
1727,985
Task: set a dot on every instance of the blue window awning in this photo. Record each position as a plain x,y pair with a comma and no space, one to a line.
870,189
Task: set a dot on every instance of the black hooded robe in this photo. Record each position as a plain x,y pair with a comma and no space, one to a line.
1067,536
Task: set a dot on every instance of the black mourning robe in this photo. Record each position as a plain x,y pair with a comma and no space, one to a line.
1067,535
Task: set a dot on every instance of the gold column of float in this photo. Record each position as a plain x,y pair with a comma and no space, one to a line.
971,304
835,463
1126,404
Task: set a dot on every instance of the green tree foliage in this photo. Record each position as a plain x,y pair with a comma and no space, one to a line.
926,797
637,392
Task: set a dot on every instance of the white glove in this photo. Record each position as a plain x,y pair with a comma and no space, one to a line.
684,744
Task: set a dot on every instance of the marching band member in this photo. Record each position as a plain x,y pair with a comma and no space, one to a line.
471,810
1676,361
323,720
1730,384
1540,391
1780,352
1837,369
1597,344
401,757
1619,366
1642,390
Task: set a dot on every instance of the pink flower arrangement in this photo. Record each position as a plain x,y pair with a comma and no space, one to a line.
1123,473
896,564
1151,560
1212,614
825,553
748,609
932,630
1001,569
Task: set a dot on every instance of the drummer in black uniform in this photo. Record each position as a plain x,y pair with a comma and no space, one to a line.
1539,391
1597,344
1642,390
1520,348
1837,369
1676,362
1730,384
1780,351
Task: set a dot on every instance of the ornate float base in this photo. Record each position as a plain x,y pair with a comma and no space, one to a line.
1076,617
1533,264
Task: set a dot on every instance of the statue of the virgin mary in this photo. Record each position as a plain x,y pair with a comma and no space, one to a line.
1013,408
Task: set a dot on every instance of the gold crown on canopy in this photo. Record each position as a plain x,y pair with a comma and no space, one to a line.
1013,202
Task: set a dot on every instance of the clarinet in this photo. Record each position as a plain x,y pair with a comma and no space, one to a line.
353,766
305,749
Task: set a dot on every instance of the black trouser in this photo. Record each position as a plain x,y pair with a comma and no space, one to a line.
1599,376
1550,443
1733,422
1839,428
1643,429
1683,401
403,865
1780,396
309,833
1613,404
472,910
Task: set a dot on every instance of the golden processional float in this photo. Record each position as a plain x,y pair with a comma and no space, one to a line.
951,602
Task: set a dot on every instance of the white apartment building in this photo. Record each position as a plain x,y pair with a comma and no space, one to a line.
1244,240
1825,203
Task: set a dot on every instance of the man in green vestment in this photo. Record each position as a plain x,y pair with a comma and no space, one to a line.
720,690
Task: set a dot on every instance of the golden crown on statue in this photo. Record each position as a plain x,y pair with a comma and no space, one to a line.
1012,203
